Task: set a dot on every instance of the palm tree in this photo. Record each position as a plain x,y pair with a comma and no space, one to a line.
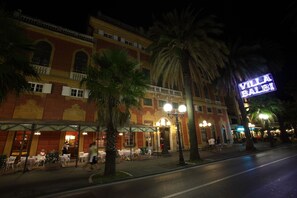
185,49
14,60
246,61
115,86
270,106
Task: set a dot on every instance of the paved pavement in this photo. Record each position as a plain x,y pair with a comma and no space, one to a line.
40,182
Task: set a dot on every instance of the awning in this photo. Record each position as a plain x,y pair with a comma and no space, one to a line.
43,125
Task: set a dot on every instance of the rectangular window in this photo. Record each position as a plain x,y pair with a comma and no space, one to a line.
162,103
102,140
108,35
147,102
175,105
36,87
209,110
198,108
77,93
196,90
147,73
129,139
217,98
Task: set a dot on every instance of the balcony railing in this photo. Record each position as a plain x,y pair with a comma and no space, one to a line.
164,91
77,76
42,69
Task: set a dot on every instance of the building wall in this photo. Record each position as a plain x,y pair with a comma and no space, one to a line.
55,106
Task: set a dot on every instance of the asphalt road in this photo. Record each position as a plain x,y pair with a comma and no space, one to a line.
268,174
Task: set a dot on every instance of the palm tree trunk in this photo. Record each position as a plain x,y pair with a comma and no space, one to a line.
283,134
110,149
270,138
249,145
194,152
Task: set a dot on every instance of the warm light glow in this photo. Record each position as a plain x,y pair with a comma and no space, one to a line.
204,124
168,123
120,134
167,107
69,137
251,125
263,116
157,124
163,122
182,108
84,133
37,133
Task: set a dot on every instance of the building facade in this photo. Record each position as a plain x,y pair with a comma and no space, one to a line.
57,108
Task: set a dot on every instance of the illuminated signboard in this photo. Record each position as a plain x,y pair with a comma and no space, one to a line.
257,86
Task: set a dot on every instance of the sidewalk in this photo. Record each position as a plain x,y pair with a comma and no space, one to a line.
41,182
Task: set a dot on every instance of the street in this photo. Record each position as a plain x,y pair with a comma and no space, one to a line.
271,174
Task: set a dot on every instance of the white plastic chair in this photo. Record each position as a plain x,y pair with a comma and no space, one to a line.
10,162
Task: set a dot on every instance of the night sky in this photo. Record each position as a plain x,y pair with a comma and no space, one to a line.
249,18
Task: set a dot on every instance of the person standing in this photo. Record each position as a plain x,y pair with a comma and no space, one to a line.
65,148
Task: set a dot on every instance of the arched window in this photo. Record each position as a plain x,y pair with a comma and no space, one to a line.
80,62
206,93
42,54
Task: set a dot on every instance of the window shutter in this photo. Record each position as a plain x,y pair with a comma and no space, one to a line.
86,93
66,91
100,32
196,107
47,88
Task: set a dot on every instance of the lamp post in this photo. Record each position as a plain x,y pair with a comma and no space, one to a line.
181,110
205,124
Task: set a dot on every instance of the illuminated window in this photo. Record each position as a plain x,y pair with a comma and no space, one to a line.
102,140
129,139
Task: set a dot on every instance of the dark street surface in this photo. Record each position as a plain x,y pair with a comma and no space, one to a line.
40,182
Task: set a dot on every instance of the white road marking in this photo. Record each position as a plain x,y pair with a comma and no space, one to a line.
225,178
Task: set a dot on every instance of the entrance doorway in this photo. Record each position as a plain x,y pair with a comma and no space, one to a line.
20,143
165,139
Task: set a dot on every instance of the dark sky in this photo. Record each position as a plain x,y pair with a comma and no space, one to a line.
252,18
74,14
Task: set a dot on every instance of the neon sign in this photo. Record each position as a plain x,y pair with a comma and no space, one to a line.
257,86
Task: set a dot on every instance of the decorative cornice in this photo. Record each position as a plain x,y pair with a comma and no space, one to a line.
17,15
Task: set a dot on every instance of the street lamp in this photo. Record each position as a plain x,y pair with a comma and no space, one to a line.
205,124
181,110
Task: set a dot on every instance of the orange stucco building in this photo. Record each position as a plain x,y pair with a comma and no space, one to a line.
57,109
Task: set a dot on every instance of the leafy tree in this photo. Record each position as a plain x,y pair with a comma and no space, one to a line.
115,86
186,49
14,60
270,106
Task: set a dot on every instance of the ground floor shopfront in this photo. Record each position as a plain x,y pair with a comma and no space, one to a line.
25,138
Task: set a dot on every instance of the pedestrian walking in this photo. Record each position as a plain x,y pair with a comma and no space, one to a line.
92,160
